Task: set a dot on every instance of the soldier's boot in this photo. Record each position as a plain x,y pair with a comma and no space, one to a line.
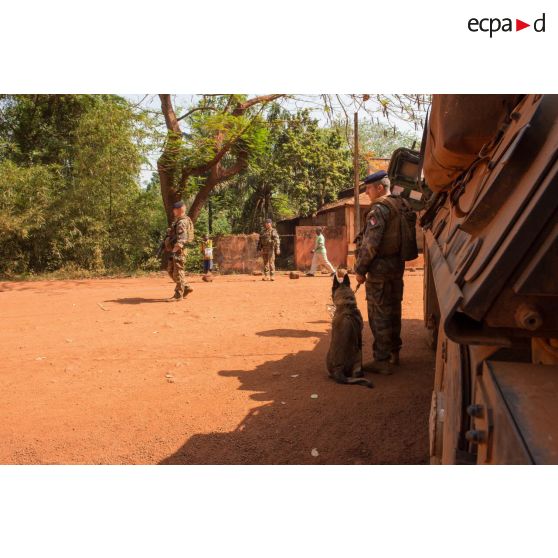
379,366
176,296
394,358
271,277
264,278
187,291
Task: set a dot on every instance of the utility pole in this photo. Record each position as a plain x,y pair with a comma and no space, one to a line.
356,177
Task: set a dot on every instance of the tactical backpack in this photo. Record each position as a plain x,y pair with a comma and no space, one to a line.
189,229
408,249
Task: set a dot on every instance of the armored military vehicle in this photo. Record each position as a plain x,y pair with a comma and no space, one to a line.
490,171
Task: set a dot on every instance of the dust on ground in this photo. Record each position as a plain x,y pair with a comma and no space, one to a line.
109,371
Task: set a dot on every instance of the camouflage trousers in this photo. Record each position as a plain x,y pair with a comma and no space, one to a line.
175,269
384,295
269,262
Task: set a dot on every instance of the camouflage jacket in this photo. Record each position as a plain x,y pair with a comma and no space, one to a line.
269,241
179,232
369,242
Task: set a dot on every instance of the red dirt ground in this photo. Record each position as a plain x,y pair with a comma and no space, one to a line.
107,371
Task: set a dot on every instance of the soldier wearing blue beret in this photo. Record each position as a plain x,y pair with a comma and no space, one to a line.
379,264
375,177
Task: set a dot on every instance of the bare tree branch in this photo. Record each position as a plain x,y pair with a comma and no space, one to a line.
196,109
243,107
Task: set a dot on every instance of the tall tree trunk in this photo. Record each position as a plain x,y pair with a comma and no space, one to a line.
169,164
203,195
169,192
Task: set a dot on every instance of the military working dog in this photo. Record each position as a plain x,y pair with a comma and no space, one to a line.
344,358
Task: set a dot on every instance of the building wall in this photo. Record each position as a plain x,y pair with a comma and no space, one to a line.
237,253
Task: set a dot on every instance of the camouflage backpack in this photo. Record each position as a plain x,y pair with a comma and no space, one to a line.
189,229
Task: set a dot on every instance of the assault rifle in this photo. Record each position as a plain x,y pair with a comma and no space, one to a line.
161,248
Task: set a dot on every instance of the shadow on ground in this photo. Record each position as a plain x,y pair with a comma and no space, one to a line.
294,333
345,424
138,300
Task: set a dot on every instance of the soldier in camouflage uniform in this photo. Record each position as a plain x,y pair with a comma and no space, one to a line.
175,244
380,265
269,246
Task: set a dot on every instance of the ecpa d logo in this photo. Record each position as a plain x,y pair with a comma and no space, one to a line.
493,25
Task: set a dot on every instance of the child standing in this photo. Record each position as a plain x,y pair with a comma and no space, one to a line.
207,251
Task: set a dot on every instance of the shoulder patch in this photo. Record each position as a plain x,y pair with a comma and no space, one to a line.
375,215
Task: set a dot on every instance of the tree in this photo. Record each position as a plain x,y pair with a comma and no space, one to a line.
314,162
69,184
214,139
220,133
382,140
302,166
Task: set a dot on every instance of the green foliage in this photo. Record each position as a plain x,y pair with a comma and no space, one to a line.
302,167
26,194
314,163
220,223
209,127
382,140
194,260
69,189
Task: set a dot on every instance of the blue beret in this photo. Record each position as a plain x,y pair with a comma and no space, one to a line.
268,221
178,204
375,177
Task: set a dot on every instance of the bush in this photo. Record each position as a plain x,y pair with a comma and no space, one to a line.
194,258
70,198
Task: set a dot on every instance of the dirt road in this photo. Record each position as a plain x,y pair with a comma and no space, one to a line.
106,371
